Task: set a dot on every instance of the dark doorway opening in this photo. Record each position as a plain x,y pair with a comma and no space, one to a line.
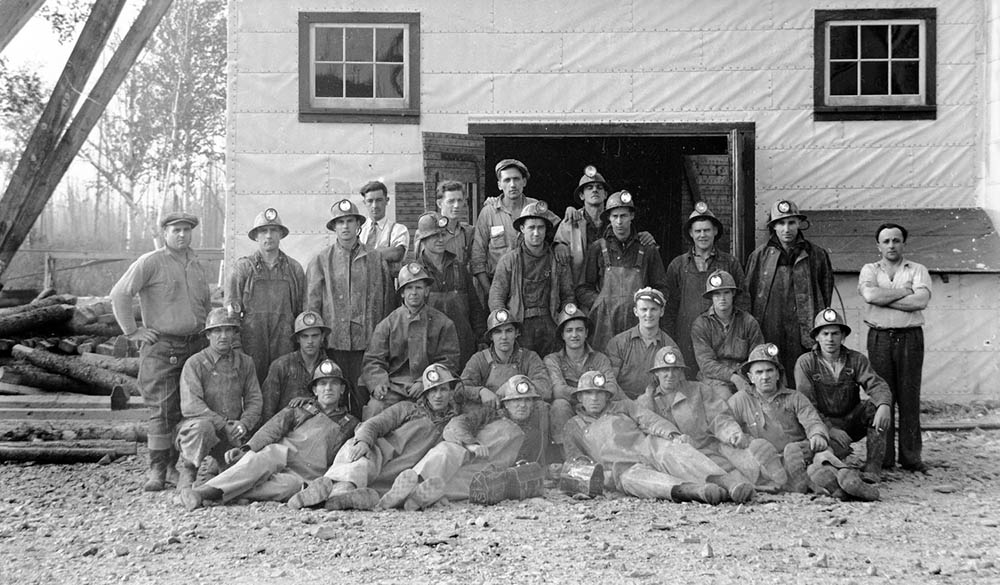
657,170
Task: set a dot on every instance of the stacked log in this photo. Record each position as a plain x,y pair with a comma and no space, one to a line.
75,367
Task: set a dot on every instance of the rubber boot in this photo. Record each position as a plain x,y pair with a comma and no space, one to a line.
705,493
357,499
850,481
156,477
795,466
186,474
875,443
426,495
172,467
402,487
737,487
312,495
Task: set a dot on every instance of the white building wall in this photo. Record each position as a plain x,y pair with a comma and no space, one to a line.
591,61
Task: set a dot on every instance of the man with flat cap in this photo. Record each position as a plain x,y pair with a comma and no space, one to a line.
268,289
686,276
173,295
789,279
351,287
495,233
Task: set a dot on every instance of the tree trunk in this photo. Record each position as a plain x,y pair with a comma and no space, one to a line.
65,451
74,367
124,365
31,375
35,319
46,302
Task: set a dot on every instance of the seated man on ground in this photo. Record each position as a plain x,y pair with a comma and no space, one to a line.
642,454
786,418
631,351
383,446
704,421
565,367
289,376
220,397
832,377
490,368
295,446
403,344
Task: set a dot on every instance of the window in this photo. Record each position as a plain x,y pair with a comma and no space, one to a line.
359,67
875,64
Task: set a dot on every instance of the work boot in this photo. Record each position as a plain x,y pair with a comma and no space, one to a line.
186,474
156,477
795,466
208,469
767,456
875,447
356,499
850,481
742,492
172,467
194,498
706,493
823,479
401,489
312,495
426,495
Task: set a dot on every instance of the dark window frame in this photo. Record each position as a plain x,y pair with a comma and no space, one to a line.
927,111
410,114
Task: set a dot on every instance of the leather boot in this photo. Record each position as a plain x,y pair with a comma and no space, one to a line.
172,467
795,466
875,443
706,493
156,477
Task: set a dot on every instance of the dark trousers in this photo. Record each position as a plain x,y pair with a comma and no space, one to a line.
350,362
160,366
898,356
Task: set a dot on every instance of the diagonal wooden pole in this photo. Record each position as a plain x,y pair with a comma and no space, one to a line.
14,14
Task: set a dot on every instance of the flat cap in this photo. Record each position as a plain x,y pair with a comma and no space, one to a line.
178,217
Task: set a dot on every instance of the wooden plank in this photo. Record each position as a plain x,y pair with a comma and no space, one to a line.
63,400
28,198
129,415
14,14
32,168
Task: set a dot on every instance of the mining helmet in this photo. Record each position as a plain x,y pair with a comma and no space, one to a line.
500,317
327,369
435,375
590,175
512,162
309,320
537,210
179,217
783,208
518,386
412,272
617,199
826,317
268,217
592,380
430,224
649,294
568,313
765,352
344,208
702,212
222,317
667,356
719,280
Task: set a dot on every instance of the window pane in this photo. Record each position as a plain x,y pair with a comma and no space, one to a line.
359,81
389,45
843,42
329,44
843,79
905,41
905,77
359,44
329,80
875,42
389,81
875,78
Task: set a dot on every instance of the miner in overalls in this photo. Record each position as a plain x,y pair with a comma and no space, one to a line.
686,276
268,289
832,377
408,340
351,287
567,365
529,282
220,396
490,368
723,336
631,352
290,375
643,455
452,290
617,265
173,294
789,279
705,422
384,446
495,234
295,446
453,203
582,227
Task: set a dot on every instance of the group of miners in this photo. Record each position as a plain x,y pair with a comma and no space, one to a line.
385,376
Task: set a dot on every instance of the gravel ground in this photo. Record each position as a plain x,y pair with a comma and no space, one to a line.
93,524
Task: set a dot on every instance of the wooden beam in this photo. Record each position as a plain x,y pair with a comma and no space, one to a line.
53,121
14,14
55,165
